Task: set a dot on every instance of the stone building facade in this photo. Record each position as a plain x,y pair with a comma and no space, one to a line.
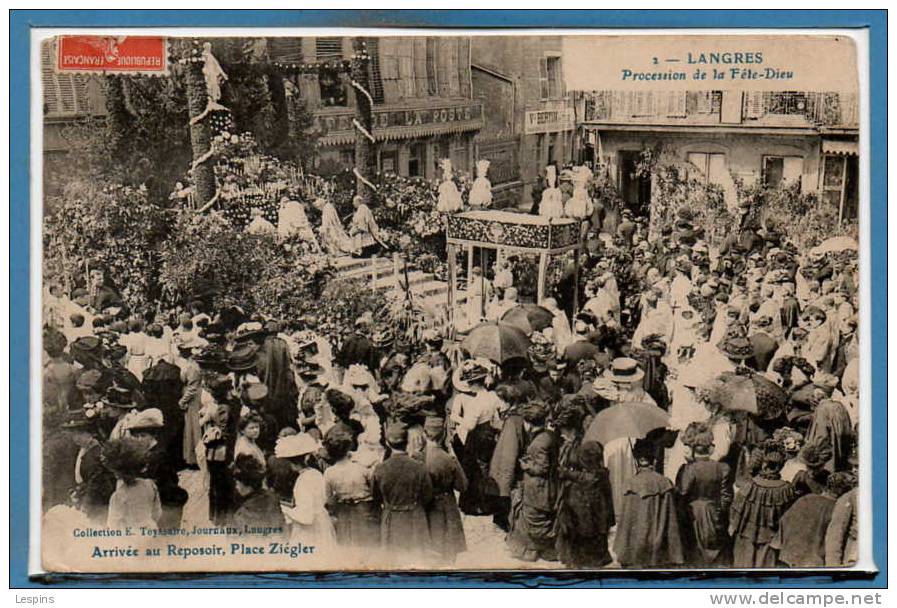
529,112
778,137
423,105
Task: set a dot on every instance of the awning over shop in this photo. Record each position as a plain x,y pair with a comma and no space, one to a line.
839,148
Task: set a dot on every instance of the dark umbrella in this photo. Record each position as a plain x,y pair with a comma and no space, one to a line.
754,394
629,419
496,341
529,317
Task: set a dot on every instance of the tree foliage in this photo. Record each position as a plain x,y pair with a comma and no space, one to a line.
109,226
806,218
679,189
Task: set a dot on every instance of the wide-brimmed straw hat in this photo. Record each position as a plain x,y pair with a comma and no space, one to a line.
243,357
296,445
624,370
247,331
150,418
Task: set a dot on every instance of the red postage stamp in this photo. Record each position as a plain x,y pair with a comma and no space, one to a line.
120,54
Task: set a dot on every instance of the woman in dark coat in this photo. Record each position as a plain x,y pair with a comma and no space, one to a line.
705,486
447,477
757,510
534,506
277,374
585,510
504,467
648,534
802,533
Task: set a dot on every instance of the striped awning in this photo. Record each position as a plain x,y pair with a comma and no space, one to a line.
839,148
394,133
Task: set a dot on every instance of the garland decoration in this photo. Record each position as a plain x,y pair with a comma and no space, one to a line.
364,180
356,85
361,128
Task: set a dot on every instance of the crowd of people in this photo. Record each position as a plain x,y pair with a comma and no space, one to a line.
744,354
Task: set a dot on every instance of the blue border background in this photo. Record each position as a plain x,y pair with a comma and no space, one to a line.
22,20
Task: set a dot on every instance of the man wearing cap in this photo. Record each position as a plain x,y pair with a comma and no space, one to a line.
403,487
59,453
584,327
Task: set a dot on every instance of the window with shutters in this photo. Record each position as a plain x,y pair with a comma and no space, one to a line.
544,91
419,59
711,166
782,170
674,104
285,50
447,67
554,76
464,67
432,76
63,93
328,49
375,77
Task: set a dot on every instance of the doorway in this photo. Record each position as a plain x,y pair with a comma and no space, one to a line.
635,189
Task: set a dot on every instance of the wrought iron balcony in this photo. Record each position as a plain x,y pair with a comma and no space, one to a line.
761,108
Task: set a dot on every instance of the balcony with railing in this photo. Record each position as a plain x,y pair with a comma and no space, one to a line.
800,109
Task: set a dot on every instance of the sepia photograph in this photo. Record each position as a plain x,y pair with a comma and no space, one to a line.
449,302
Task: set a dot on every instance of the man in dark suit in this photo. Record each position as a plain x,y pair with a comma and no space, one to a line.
402,486
358,348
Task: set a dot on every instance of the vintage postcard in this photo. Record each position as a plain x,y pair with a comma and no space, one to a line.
450,300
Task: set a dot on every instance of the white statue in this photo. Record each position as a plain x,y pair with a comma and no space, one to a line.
481,191
213,73
551,204
580,204
449,197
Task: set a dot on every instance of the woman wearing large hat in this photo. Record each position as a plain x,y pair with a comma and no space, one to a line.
94,483
308,519
190,402
474,413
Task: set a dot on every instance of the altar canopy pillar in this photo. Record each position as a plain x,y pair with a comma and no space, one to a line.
452,252
543,268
